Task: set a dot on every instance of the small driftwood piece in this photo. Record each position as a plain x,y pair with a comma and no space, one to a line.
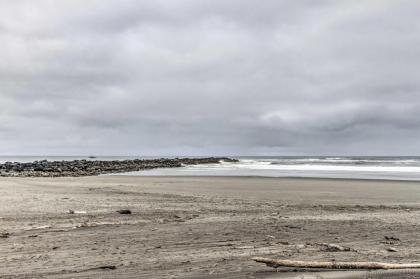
333,264
330,247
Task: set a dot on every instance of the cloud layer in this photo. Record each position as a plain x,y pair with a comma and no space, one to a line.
209,77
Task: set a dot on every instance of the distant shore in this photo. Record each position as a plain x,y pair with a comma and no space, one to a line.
78,168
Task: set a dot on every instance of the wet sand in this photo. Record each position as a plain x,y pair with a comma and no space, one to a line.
199,227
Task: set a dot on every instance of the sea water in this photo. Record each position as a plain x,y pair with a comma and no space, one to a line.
389,168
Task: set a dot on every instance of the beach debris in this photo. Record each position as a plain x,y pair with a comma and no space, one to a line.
162,220
178,218
124,211
103,267
112,267
39,228
87,224
245,247
391,249
391,238
293,227
4,235
32,235
275,263
330,247
71,211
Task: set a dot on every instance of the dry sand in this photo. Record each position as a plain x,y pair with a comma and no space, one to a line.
198,227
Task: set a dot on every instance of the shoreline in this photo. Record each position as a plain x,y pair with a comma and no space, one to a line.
268,177
338,179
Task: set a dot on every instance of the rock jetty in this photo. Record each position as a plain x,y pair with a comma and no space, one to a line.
76,168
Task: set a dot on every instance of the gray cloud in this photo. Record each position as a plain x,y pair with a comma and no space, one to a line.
209,77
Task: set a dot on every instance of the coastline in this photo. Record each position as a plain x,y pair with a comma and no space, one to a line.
269,177
377,168
77,168
198,227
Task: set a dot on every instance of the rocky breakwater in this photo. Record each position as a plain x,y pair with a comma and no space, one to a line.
91,168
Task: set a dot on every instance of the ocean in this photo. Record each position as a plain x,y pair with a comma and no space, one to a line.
388,168
360,167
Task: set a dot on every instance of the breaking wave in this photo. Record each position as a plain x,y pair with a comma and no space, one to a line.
391,168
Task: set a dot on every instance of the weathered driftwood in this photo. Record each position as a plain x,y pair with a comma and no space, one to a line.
333,264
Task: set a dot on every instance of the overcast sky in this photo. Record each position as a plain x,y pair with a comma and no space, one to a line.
209,77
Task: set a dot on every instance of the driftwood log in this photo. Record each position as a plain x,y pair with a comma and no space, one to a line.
333,264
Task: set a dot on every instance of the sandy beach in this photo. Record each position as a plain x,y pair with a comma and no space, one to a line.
199,227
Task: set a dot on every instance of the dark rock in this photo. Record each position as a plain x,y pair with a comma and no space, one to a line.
124,211
112,267
4,235
293,227
330,247
391,238
90,168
